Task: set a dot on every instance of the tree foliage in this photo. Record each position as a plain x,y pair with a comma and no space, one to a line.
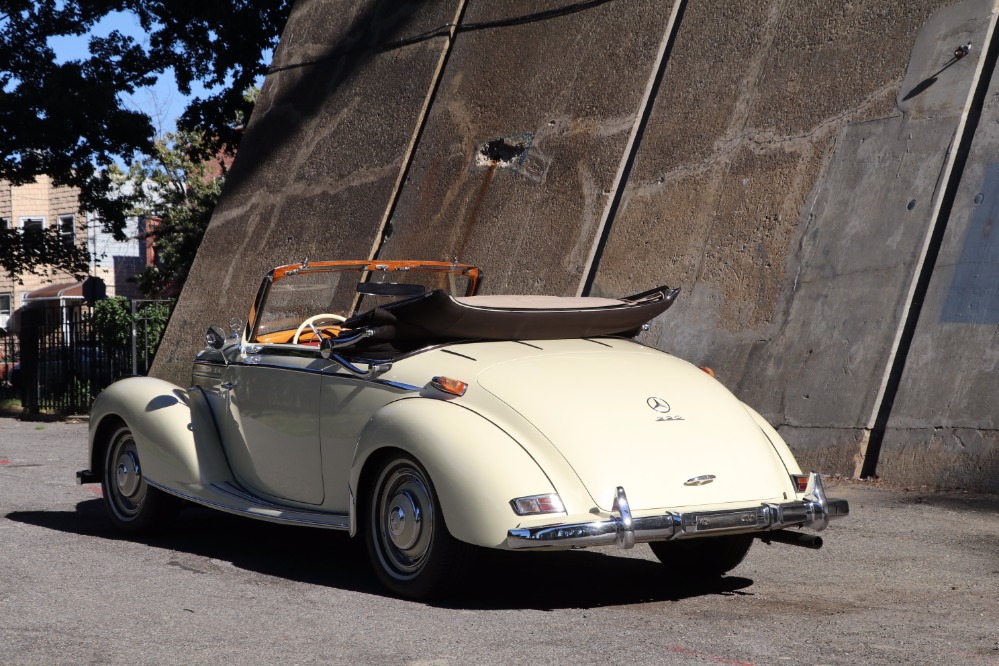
113,319
177,191
69,120
37,250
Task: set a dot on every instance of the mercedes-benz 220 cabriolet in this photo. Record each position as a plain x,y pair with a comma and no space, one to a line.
387,399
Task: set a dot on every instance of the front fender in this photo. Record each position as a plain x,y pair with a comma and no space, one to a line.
174,432
475,467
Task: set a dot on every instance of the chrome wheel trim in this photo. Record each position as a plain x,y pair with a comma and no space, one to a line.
125,487
403,520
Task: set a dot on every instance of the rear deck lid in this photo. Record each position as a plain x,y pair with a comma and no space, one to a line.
645,421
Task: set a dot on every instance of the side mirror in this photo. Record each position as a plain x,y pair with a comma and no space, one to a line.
214,337
326,348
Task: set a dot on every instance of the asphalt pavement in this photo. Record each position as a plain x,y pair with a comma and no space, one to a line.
911,577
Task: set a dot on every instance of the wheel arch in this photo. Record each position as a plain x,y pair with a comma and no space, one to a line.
174,431
474,466
101,439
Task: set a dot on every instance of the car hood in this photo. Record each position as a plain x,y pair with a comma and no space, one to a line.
645,421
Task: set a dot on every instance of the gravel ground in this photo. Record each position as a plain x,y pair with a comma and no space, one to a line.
911,577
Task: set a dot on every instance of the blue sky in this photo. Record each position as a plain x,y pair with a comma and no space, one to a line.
162,101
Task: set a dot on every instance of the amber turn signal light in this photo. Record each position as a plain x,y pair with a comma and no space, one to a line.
448,385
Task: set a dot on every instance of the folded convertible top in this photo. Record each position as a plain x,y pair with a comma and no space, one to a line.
436,315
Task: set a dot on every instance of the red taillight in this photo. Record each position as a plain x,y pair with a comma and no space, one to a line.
709,371
527,506
800,482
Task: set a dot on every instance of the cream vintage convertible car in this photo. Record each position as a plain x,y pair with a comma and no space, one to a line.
387,399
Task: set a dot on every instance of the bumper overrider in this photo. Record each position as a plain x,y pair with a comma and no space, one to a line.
814,511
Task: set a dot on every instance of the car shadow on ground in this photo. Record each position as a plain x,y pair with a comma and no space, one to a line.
499,580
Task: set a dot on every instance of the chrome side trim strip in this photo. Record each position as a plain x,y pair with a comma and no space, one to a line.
262,510
389,382
814,511
341,375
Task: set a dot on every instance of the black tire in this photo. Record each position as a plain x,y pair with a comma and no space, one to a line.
132,504
706,557
409,546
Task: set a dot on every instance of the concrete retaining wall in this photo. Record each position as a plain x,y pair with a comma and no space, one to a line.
322,157
786,163
943,428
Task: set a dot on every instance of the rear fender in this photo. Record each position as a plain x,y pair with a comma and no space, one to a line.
780,446
475,467
174,430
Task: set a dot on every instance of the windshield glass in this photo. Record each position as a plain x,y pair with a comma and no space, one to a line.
341,289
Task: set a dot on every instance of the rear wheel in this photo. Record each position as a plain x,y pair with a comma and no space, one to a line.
408,543
707,557
133,505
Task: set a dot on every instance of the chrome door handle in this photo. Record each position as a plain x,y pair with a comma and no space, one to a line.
227,385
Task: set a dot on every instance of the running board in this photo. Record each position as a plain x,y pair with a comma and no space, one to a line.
227,497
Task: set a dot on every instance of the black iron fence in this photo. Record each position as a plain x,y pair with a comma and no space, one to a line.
10,357
64,361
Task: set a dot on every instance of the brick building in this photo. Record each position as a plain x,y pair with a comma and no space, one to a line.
39,205
43,205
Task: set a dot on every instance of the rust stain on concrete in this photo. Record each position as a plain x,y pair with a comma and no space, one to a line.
473,217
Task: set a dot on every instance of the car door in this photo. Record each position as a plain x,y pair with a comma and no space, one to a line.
348,403
272,422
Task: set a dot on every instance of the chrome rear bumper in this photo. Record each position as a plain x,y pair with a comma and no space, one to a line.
815,511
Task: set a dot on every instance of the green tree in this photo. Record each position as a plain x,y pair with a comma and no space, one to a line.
68,119
177,192
37,251
112,317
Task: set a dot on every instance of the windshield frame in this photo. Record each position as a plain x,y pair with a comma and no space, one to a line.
250,333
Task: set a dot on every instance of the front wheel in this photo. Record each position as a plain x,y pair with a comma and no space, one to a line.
706,557
133,505
408,543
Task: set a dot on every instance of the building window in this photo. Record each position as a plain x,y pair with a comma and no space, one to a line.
6,307
67,230
32,223
4,223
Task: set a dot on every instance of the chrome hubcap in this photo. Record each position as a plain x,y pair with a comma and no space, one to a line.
128,475
405,523
124,487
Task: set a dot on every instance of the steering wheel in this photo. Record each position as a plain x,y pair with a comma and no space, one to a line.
310,323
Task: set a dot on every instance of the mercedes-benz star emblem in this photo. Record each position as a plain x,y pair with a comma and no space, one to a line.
658,404
662,407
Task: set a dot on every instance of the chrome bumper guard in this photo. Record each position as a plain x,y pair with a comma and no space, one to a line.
624,531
